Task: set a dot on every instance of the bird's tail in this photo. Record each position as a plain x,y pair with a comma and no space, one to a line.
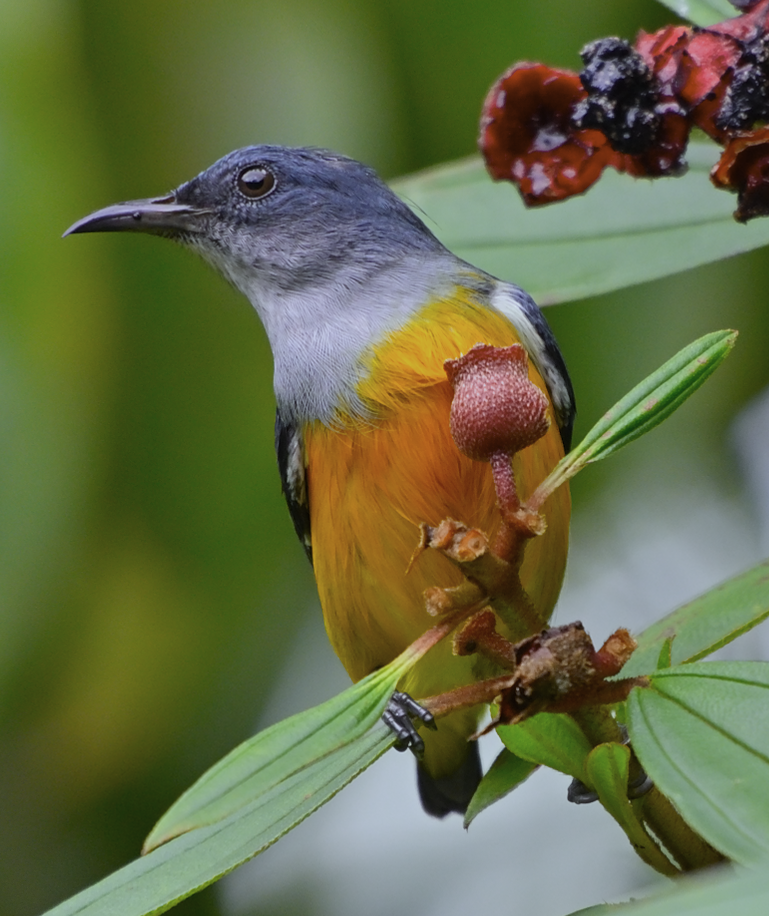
449,774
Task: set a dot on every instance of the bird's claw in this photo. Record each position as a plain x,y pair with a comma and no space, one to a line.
579,794
398,717
639,786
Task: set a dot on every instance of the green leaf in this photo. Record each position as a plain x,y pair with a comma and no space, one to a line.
623,231
643,408
294,746
601,909
550,739
701,731
744,894
705,624
249,799
196,859
253,796
655,398
257,793
665,658
702,12
505,774
607,772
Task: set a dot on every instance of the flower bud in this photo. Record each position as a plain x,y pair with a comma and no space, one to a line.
496,409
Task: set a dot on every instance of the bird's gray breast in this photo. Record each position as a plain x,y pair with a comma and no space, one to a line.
321,338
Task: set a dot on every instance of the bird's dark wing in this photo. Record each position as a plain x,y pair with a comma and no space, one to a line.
552,368
293,476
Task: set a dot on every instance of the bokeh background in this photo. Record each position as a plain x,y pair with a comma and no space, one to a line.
154,605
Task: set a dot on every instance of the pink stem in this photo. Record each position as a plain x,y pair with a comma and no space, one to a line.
504,482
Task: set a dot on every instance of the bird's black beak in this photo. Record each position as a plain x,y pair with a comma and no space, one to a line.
158,216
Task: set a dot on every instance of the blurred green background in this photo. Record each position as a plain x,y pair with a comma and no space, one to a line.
150,582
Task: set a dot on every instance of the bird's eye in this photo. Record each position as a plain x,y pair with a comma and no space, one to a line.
255,181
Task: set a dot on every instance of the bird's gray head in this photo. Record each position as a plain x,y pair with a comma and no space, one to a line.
328,255
280,218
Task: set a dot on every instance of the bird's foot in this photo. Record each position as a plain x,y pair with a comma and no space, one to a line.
579,794
639,786
398,717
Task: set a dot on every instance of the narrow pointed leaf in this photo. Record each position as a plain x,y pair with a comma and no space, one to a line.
656,397
505,774
255,795
701,732
701,12
705,624
179,868
665,658
645,406
623,231
550,739
607,771
256,767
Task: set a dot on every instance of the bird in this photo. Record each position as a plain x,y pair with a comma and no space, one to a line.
362,304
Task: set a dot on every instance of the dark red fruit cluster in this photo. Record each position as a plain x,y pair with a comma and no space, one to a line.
552,132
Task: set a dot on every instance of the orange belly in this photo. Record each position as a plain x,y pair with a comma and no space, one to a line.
371,485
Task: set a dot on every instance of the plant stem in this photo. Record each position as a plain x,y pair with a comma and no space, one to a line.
688,848
598,724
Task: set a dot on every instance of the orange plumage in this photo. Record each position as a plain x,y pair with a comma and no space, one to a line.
372,484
